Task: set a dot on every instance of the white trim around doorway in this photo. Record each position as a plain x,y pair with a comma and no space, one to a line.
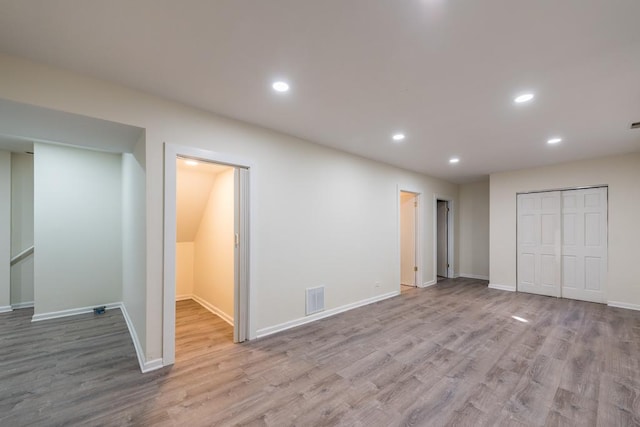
171,152
418,232
450,236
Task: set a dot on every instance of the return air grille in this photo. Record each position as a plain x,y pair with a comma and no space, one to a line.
315,300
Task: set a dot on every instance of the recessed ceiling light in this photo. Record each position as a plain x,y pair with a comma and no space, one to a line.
554,140
398,137
191,162
280,86
525,97
454,160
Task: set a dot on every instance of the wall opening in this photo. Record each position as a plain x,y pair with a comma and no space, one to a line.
206,242
408,239
205,254
443,237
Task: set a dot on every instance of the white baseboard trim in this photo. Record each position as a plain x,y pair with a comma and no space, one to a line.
623,305
502,287
429,283
152,365
5,309
260,333
72,312
212,308
19,305
145,366
183,297
474,276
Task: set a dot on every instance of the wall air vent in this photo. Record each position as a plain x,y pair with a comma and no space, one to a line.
315,300
635,125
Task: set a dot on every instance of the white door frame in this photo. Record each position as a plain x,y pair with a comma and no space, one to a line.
418,236
450,236
243,290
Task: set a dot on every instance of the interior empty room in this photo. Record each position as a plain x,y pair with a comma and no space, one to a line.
319,213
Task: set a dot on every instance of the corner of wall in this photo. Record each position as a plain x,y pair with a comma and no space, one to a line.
145,365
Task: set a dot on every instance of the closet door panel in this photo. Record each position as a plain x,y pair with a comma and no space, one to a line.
584,231
539,237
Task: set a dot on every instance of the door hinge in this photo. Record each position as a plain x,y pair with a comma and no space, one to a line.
415,204
237,240
415,268
447,265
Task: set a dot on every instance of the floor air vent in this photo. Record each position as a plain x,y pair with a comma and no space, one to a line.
315,300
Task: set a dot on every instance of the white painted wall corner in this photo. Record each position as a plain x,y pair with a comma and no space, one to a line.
145,366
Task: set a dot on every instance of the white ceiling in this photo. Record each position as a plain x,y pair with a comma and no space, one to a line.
442,71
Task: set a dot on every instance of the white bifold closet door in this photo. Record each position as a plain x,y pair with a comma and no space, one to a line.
539,243
562,243
584,244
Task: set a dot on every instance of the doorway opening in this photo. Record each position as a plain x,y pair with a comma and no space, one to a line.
205,255
206,281
443,232
410,274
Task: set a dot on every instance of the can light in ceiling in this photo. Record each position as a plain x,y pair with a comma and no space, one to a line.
554,140
280,86
454,160
525,97
191,162
398,137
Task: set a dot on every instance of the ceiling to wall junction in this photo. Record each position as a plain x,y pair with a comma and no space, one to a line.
442,73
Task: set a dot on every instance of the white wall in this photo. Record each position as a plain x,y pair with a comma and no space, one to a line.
319,216
214,247
77,228
473,211
184,270
620,173
21,227
134,273
5,231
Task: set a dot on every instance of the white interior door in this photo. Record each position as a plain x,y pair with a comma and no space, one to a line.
538,252
584,244
408,217
442,238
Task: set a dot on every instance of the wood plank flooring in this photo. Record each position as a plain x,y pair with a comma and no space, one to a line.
452,354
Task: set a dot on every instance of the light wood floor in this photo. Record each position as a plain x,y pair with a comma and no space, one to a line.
451,354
